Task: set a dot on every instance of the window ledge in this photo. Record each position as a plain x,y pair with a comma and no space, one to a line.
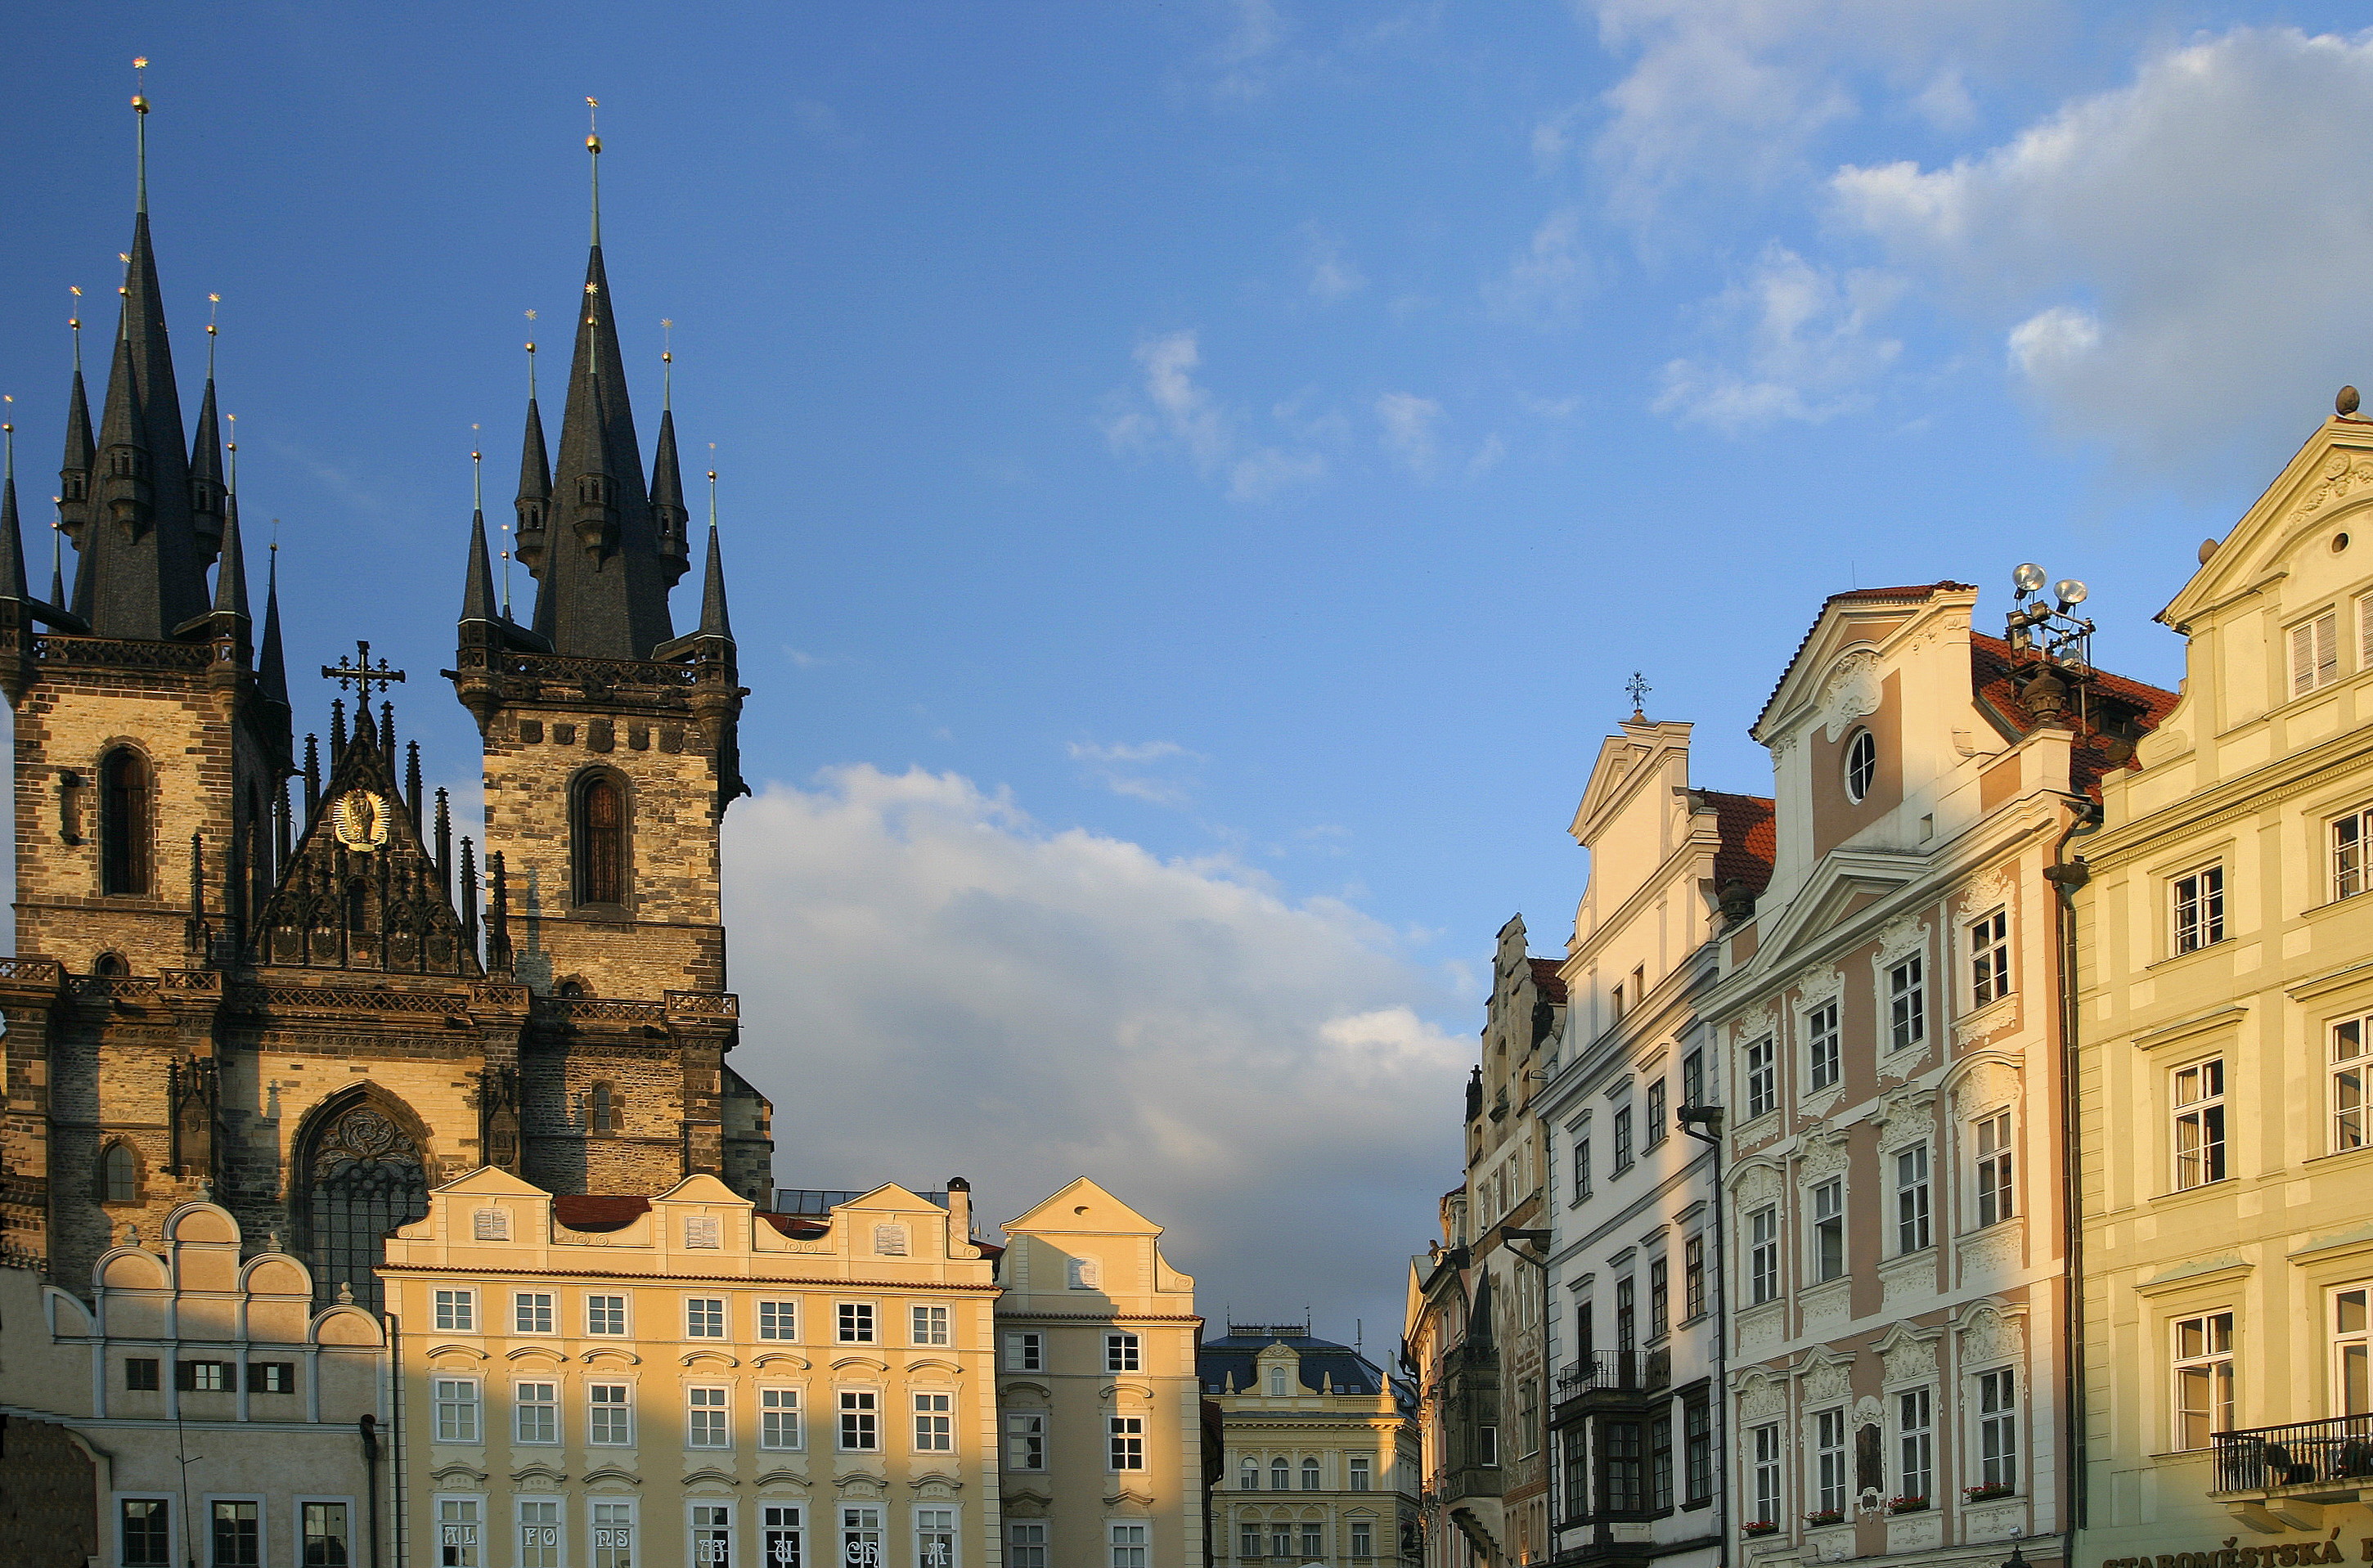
2205,948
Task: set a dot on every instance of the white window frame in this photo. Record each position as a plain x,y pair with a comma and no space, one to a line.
1361,1472
624,1408
454,1311
1025,1441
1128,1543
694,1552
2349,1076
473,1399
1915,1225
1907,1002
784,1328
843,1409
1860,764
1123,1352
2352,1346
855,1323
1124,1440
1767,1479
529,1308
1824,1053
934,1412
1915,1439
720,1410
1763,1076
2200,1126
262,1523
1025,1351
1995,1404
2204,1359
701,1323
1361,1534
1026,1543
555,1500
1313,1476
781,1420
549,1404
358,1528
861,1527
623,1301
924,1328
1831,1480
1994,1169
1828,1236
474,1524
1763,1255
173,1522
2350,836
954,1530
1990,967
597,1526
2314,646
778,1517
2195,908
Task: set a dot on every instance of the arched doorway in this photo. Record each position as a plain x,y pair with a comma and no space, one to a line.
364,1175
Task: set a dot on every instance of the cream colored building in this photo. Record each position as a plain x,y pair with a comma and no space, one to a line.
1321,1452
1889,1022
184,1349
631,1383
2228,964
1102,1414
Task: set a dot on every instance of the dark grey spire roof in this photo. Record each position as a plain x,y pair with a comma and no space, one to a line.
230,577
478,602
271,672
669,516
12,540
714,622
80,447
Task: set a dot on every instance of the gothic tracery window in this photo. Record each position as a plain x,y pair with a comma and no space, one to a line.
363,1179
599,838
123,856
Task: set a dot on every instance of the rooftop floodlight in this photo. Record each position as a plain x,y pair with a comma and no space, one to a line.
2068,590
2028,578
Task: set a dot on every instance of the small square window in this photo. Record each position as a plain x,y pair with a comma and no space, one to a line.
778,1320
456,1312
605,1314
140,1374
856,1322
929,1324
704,1318
532,1311
1120,1353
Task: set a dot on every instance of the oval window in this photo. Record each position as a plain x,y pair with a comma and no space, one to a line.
1862,764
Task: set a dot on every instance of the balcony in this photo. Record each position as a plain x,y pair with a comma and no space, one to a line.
1610,1380
2306,1460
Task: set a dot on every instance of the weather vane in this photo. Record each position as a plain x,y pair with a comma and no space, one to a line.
359,673
1639,688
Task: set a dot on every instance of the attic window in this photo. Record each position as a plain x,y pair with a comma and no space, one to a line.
1276,1383
890,1241
490,1225
703,1230
1862,764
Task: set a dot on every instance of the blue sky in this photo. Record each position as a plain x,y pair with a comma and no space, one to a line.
1195,478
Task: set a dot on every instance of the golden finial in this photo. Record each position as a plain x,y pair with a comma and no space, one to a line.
506,572
140,107
667,363
214,307
593,149
530,369
231,481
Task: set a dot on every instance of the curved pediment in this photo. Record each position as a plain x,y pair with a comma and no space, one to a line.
544,1473
550,1353
934,1484
457,1475
710,1358
1045,1395
936,1363
458,1352
781,1358
610,1353
711,1475
1134,1390
867,1363
783,1478
611,1473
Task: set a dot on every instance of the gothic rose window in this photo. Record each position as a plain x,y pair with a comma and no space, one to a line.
364,1180
123,822
600,839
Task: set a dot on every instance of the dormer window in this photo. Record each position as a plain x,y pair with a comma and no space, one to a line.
1862,764
1276,1383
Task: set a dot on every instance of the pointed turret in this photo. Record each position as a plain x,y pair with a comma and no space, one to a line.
207,488
230,577
478,587
12,540
669,514
534,503
714,622
74,469
271,669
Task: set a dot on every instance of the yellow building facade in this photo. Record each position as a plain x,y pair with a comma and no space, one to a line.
2227,963
631,1383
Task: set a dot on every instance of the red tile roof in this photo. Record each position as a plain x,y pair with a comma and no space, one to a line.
1989,680
1748,840
1546,976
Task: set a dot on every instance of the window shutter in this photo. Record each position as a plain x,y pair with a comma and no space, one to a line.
490,1225
2302,659
2327,649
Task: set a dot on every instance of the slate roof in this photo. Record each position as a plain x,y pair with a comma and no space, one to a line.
1227,1364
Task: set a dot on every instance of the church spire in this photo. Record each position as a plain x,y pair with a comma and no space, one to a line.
534,503
12,540
230,577
74,469
714,623
478,589
207,488
271,668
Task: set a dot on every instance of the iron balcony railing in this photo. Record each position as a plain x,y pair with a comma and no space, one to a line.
2304,1453
1615,1371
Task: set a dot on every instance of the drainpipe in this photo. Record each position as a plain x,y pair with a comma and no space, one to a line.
369,1426
2067,875
1718,1407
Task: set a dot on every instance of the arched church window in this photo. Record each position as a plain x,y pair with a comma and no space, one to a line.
599,837
363,1179
571,989
605,1108
112,965
123,857
119,1174
359,905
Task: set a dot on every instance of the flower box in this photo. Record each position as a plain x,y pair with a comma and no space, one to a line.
1906,1505
1987,1492
1759,1528
1824,1516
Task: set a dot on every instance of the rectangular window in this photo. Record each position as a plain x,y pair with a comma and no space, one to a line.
1829,1461
1997,1429
1358,1472
456,1403
712,1535
1623,1470
1487,1446
539,1532
2200,1124
2315,653
1363,1539
1693,1086
535,1411
778,1320
1995,1202
2349,834
935,1537
205,1377
1126,1543
1026,1441
1765,1482
144,1531
1657,1126
2350,1058
704,1318
861,1537
1763,1256
2198,908
934,1423
1916,1436
1762,1078
1829,1229
781,1541
457,1532
1577,1473
1025,1352
1025,1545
1622,1154
1248,1543
140,1374
861,1431
779,1418
1912,1192
708,1423
326,1534
856,1322
1127,1433
532,1311
1989,959
1821,1046
272,1378
1584,1340
1660,1298
1120,1353
1907,1004
1660,1460
1697,1448
1581,1167
2350,1346
238,1534
614,1535
1313,1541
456,1312
1693,1279
609,1418
2204,1378
1627,1337
605,1314
929,1324
1280,1541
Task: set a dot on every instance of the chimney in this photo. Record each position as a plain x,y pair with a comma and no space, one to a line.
958,1212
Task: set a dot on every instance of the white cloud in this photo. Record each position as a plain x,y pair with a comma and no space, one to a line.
1121,768
933,985
1333,276
2206,216
1176,411
1547,281
1810,350
1488,456
1125,751
1409,422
